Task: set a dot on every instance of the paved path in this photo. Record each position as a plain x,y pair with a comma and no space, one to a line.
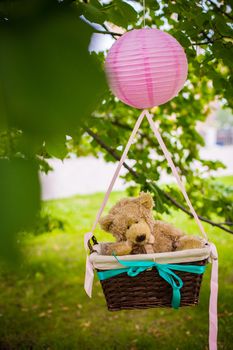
90,175
78,176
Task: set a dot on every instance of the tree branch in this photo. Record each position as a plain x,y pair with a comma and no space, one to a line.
218,8
107,32
226,223
203,43
178,205
99,31
109,150
111,33
136,175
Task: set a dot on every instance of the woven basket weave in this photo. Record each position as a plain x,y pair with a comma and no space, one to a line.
149,290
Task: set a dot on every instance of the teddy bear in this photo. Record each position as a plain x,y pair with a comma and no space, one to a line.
131,222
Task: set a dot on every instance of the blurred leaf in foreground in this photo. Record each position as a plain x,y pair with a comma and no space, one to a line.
20,202
49,84
49,80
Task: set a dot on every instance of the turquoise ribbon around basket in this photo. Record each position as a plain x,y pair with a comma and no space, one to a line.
133,268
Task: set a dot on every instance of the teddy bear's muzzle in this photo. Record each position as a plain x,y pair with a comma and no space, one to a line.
139,233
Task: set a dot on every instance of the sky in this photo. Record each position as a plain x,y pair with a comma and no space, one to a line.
103,42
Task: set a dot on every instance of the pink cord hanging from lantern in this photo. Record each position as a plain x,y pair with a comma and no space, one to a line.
146,68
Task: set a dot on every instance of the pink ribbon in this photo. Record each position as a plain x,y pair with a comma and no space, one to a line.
89,276
89,272
213,304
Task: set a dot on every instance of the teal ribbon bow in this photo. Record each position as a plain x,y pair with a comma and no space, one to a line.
133,268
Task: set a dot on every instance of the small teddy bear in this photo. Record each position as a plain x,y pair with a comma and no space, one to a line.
131,222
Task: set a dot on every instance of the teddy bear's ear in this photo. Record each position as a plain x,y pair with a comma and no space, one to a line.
146,200
105,222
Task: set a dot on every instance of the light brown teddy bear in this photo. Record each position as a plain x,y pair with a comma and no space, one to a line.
131,222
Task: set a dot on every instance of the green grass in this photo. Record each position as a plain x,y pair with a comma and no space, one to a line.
44,306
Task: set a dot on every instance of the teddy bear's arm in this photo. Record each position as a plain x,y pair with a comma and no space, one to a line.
118,248
189,242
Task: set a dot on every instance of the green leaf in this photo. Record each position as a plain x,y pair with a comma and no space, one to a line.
96,3
183,39
121,13
56,147
51,82
20,202
92,12
222,26
201,19
152,4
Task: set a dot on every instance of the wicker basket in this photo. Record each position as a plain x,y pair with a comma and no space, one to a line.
148,289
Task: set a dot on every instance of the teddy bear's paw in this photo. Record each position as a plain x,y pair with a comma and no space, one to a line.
189,242
119,248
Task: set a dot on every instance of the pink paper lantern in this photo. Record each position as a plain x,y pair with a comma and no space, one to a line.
146,68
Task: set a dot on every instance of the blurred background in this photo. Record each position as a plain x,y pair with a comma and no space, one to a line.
66,179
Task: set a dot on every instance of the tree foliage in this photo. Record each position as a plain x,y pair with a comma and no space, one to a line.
204,28
51,87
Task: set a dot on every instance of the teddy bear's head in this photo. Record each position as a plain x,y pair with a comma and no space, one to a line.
130,219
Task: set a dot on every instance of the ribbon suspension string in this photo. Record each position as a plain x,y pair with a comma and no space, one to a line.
166,271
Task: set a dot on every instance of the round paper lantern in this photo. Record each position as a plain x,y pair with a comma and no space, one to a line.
146,68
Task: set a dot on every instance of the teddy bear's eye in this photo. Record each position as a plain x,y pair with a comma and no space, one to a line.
136,222
128,227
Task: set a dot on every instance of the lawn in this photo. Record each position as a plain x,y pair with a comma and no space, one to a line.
43,304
